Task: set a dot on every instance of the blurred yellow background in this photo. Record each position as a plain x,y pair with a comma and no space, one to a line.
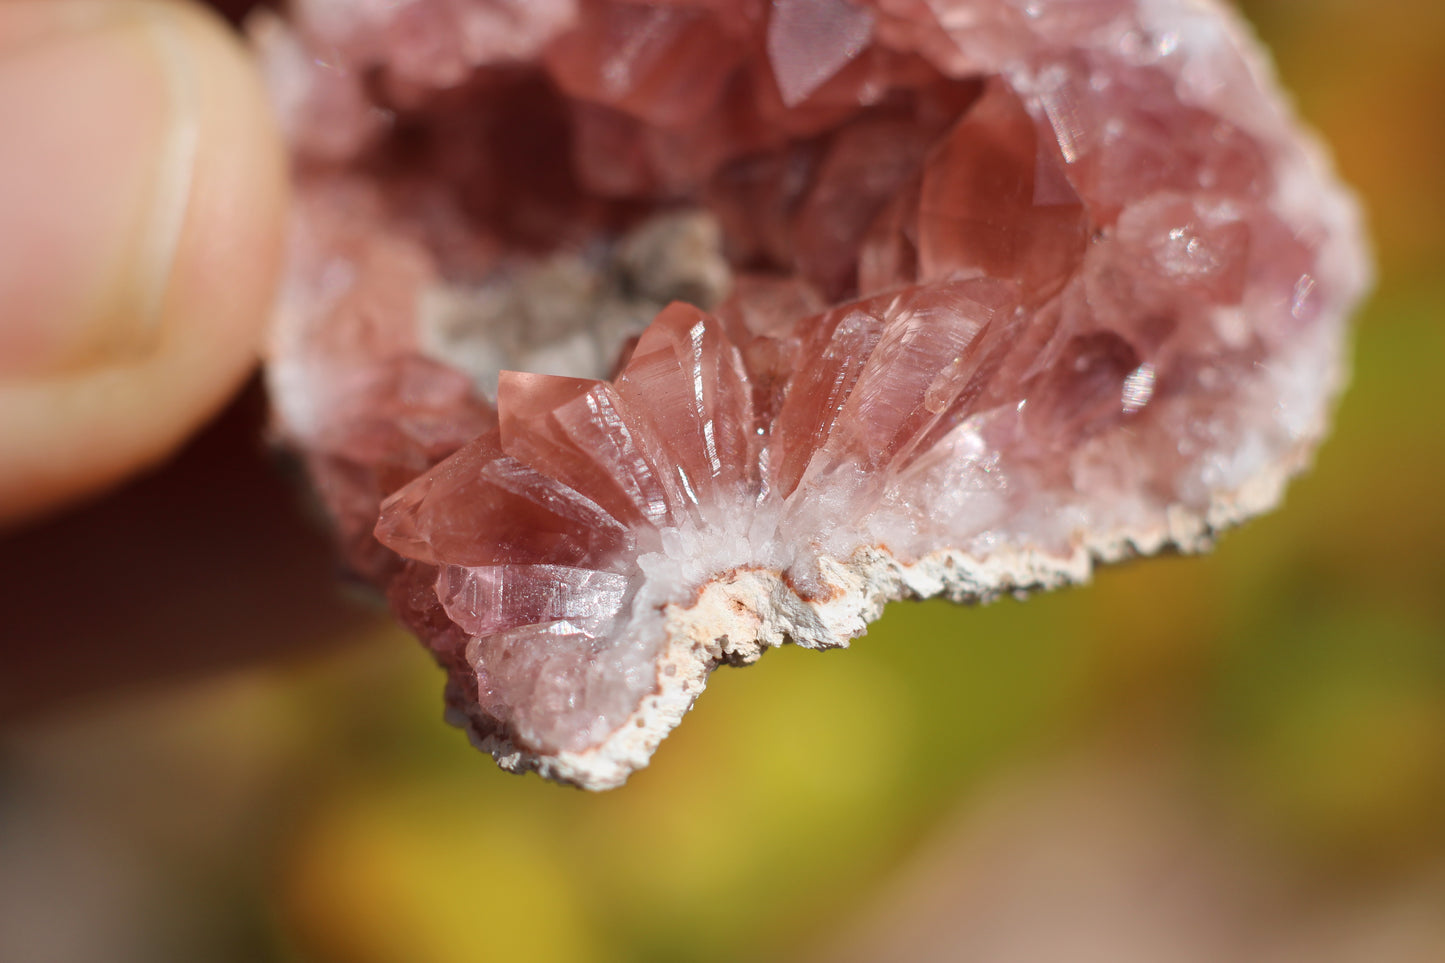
1234,757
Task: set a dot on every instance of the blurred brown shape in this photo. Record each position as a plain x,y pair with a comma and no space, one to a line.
208,564
1119,858
236,10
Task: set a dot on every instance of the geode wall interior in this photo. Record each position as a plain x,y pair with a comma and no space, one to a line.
820,303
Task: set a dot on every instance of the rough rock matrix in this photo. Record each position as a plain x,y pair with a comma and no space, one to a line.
822,303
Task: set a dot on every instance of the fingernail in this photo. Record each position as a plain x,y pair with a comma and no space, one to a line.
100,126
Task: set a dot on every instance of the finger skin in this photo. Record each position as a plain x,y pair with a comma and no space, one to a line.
76,432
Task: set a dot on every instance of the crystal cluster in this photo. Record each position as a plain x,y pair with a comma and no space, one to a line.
821,303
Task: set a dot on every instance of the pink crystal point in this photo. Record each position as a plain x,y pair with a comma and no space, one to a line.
1015,289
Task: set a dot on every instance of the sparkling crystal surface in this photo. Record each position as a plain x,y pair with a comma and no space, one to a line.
1015,287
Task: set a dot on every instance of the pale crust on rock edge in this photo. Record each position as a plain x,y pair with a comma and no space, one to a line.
739,615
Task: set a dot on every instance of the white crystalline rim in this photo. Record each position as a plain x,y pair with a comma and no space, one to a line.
739,615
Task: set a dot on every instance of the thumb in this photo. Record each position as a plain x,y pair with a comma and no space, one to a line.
141,215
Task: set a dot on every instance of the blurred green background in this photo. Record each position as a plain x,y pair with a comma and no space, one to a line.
1240,756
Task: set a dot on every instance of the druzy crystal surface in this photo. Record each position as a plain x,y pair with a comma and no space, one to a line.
623,339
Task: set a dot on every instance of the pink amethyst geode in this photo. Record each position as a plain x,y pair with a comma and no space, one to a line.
897,298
